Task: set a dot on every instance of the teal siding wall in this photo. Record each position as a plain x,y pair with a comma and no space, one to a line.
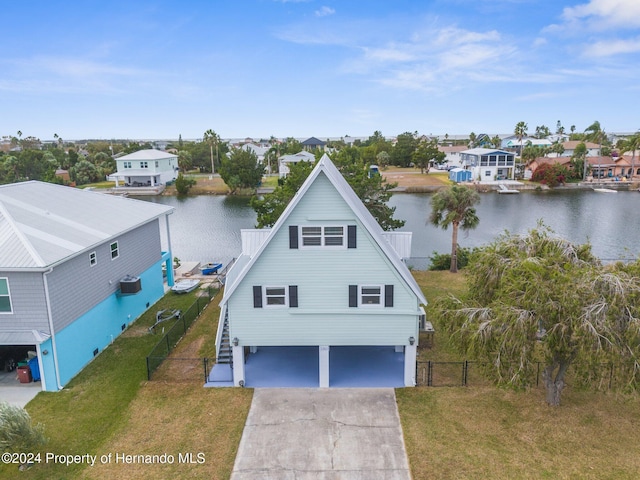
323,276
99,327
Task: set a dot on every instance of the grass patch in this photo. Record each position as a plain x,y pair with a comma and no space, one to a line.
460,432
485,432
111,408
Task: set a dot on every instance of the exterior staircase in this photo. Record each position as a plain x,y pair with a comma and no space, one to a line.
225,355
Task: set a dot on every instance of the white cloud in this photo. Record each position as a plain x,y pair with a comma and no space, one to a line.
324,11
604,14
612,47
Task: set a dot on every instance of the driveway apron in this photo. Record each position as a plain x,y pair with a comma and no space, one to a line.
311,433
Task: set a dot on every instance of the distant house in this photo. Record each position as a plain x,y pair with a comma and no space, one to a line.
452,153
313,143
514,143
593,149
259,150
145,168
286,160
325,281
489,165
76,268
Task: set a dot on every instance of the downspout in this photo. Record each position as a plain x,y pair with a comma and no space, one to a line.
54,349
170,277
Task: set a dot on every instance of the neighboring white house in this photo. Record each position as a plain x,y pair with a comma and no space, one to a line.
489,165
259,150
452,153
286,160
326,278
145,168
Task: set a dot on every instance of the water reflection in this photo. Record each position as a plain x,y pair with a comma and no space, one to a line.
207,228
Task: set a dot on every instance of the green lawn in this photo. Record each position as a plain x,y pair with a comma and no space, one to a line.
450,432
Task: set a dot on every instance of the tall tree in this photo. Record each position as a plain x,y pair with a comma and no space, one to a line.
211,138
427,154
595,133
374,191
270,206
537,297
521,132
241,170
402,152
455,206
632,144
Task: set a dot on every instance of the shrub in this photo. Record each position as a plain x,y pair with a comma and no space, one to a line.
442,261
184,184
17,433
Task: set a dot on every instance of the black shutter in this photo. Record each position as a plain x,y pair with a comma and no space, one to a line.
353,295
388,295
257,297
293,236
351,236
293,295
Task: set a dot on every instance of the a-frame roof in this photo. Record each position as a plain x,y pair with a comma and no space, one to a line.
326,167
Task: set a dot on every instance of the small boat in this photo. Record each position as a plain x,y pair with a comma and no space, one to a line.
186,285
210,268
504,189
605,190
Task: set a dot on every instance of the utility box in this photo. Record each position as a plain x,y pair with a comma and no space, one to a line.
130,285
24,374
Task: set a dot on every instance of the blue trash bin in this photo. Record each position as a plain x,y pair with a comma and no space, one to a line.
35,369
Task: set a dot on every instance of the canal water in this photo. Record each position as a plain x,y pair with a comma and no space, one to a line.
207,228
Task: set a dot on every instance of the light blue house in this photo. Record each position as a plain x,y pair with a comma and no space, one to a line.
325,279
76,268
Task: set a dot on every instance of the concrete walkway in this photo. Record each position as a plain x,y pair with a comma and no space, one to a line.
310,433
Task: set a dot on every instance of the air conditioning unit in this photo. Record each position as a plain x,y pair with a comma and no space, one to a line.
422,322
130,285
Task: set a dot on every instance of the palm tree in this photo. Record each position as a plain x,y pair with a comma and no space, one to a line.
212,139
595,133
455,206
521,132
632,144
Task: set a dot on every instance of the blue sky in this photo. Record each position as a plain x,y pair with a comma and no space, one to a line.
157,69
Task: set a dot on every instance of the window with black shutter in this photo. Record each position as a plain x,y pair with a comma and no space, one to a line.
257,297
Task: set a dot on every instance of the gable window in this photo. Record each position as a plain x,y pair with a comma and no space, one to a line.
282,296
370,295
5,296
93,259
317,236
275,296
115,252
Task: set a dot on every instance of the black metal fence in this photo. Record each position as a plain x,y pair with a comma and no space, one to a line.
173,335
605,376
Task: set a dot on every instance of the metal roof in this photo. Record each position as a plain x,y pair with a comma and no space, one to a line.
149,154
42,224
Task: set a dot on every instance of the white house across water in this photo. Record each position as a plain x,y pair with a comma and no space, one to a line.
145,168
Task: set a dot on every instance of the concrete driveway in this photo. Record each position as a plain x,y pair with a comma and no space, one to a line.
311,433
16,393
